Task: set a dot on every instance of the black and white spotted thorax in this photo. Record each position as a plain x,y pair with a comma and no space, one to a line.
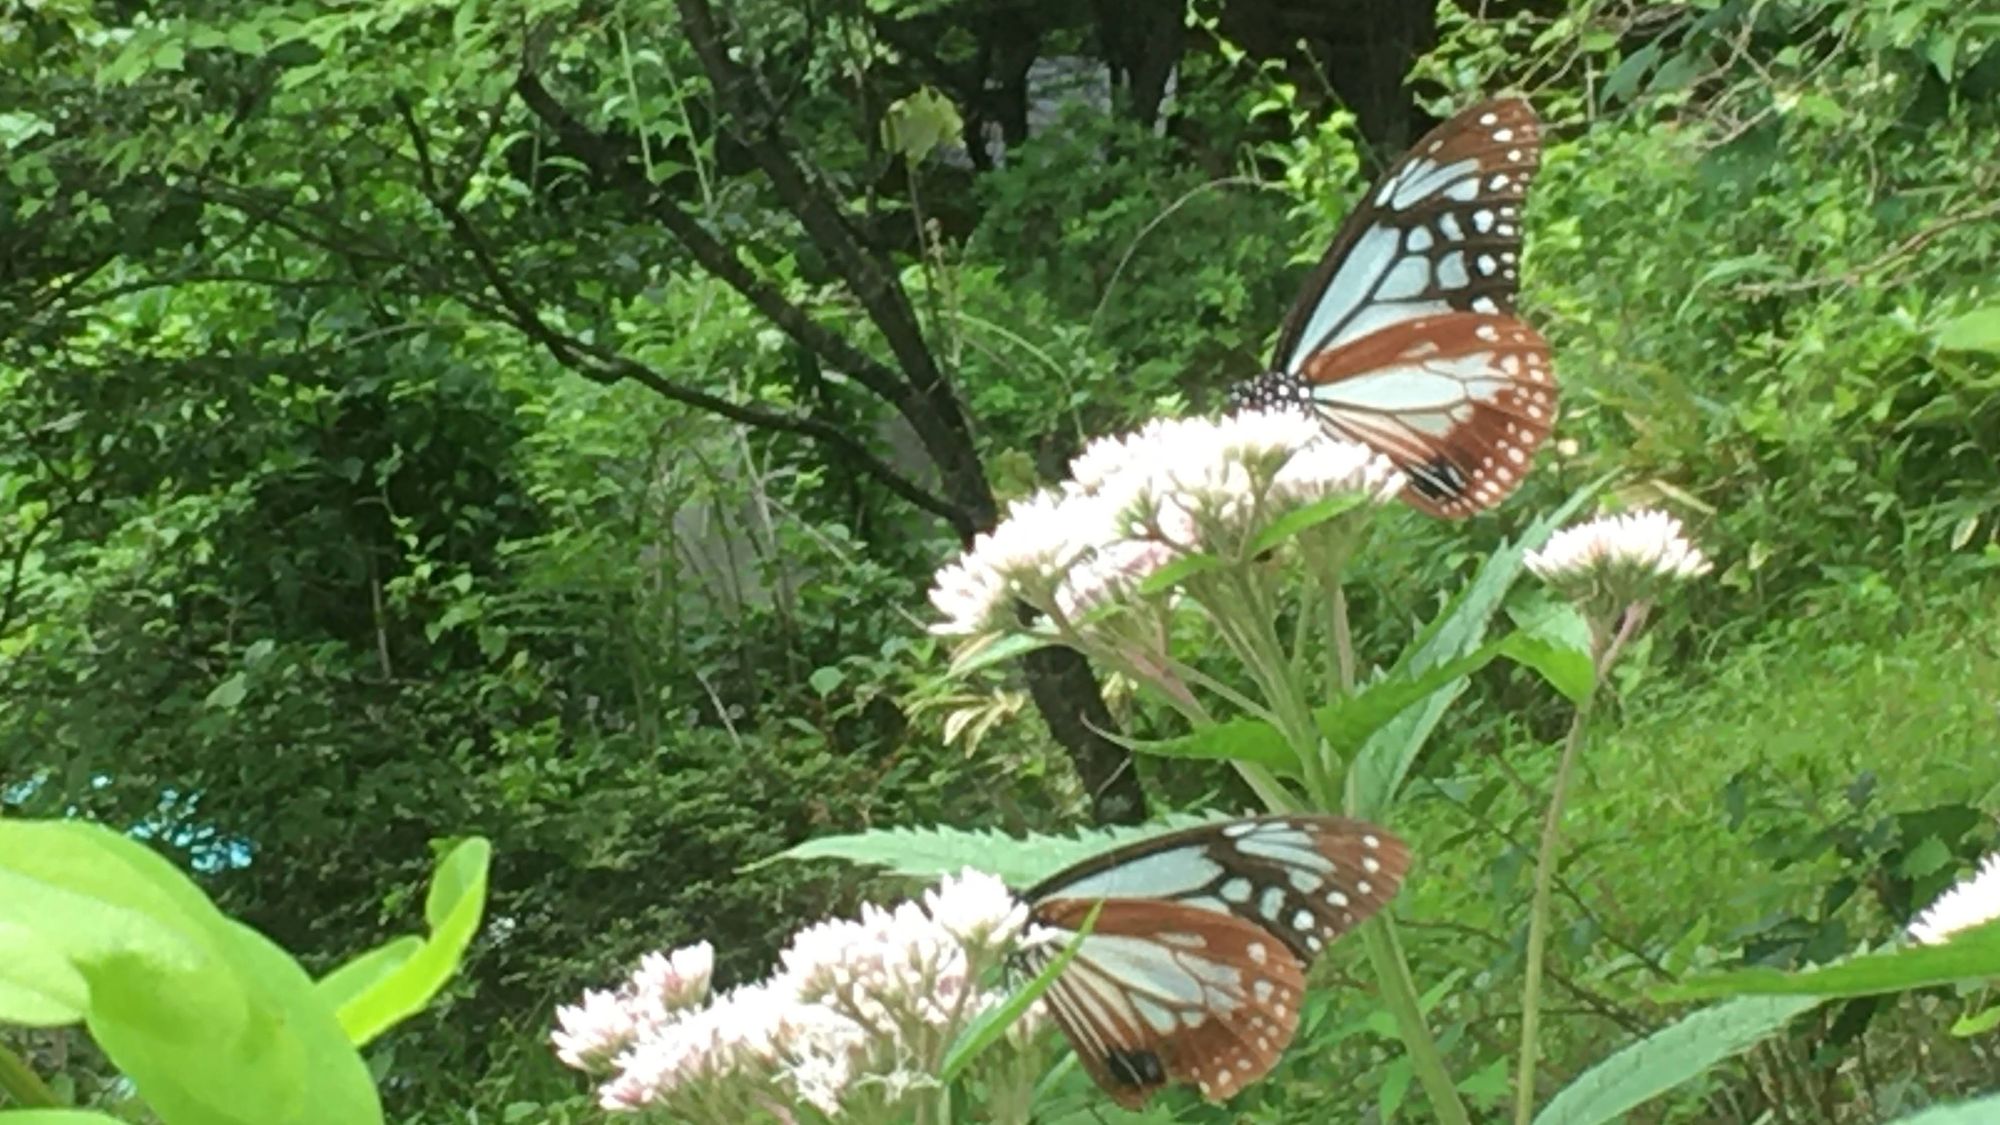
1273,390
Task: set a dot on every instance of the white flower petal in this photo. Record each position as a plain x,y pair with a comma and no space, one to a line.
1973,902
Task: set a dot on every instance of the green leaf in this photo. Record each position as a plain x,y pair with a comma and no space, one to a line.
1556,643
927,853
913,126
387,985
992,1024
1976,1023
1979,1111
1385,759
1976,331
1972,955
1348,724
1926,858
1239,740
826,680
57,1117
348,982
38,985
1669,1057
988,651
1294,522
228,695
211,1021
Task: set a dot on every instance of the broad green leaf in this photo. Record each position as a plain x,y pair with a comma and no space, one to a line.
38,985
391,993
349,981
992,1024
826,679
1555,641
1973,955
211,1021
1385,759
1665,1059
1976,331
1240,740
927,853
58,1117
915,125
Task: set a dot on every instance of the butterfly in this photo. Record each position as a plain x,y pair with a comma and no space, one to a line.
1404,338
1194,968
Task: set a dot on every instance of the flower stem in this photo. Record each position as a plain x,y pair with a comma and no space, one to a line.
1545,864
1399,992
24,1086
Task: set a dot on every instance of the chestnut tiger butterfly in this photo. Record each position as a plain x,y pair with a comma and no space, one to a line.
1404,337
1195,965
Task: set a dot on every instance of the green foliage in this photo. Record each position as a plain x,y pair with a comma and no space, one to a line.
388,984
1663,1060
926,853
309,554
1972,957
210,1020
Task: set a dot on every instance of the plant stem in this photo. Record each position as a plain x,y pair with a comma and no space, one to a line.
1399,992
24,1086
1545,864
1379,933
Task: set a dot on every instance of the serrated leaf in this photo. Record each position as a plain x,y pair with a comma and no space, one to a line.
1970,955
988,651
926,853
1239,740
1665,1059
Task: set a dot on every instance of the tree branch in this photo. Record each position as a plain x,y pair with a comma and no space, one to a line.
605,365
943,428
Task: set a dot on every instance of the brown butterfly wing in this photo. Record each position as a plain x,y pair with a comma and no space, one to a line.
1162,993
1460,402
1194,968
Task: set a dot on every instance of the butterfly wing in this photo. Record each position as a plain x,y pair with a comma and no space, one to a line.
1162,992
1440,233
1458,401
1304,879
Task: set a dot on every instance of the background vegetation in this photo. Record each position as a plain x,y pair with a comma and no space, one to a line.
540,420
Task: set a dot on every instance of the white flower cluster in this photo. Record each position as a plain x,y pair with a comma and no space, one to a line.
852,1004
1135,503
1972,903
1619,559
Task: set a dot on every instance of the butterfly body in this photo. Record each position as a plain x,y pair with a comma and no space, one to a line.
1405,337
1194,969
